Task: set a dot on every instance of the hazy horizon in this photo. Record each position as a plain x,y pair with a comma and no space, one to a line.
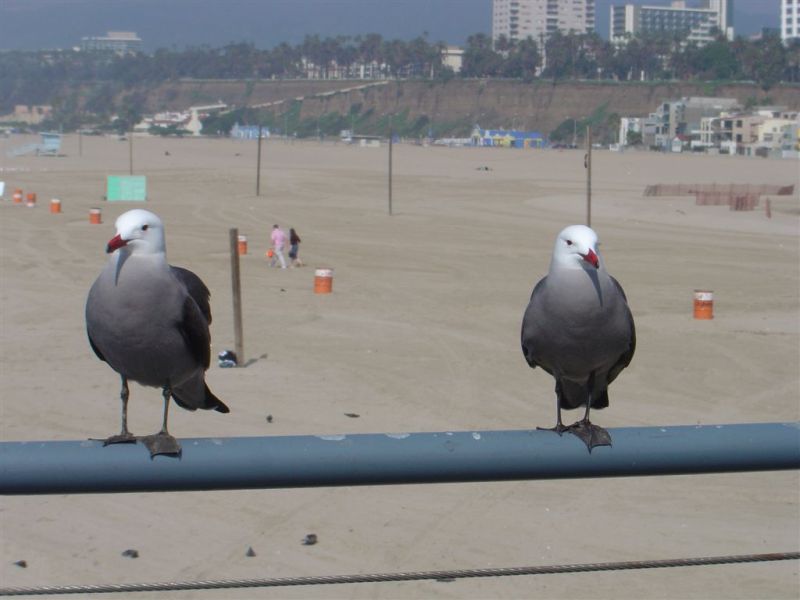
47,24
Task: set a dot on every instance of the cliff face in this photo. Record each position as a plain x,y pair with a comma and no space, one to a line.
491,103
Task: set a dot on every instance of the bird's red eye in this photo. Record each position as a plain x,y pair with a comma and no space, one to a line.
569,242
144,227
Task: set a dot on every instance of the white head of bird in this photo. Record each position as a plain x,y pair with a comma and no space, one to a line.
138,232
576,247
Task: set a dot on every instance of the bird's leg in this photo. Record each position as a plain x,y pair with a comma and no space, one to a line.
560,427
167,395
591,435
162,442
125,436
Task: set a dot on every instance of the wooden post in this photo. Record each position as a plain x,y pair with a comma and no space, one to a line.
588,176
80,142
130,152
391,135
258,161
768,208
237,296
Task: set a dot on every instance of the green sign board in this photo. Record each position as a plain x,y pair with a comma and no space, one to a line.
126,188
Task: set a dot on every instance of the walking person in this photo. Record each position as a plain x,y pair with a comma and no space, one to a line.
278,238
294,243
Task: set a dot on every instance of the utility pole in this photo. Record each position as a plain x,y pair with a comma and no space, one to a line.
236,283
574,133
588,175
258,162
391,135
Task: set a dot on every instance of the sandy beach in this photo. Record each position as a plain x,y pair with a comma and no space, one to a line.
421,333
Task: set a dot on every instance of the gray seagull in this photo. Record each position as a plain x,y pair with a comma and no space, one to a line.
578,328
149,321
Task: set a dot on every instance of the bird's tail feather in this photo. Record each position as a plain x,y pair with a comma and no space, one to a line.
218,405
209,402
572,396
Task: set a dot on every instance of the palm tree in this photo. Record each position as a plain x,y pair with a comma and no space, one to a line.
479,59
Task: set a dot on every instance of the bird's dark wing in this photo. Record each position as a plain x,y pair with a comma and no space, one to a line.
196,288
525,336
195,316
194,329
95,348
627,356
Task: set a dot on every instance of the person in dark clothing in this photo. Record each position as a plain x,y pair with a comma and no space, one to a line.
294,243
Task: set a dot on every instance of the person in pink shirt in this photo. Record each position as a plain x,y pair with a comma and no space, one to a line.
278,238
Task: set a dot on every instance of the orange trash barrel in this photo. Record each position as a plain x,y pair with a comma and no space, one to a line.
323,281
55,206
31,199
242,245
95,216
703,304
17,196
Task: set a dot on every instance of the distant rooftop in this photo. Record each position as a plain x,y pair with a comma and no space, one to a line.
121,42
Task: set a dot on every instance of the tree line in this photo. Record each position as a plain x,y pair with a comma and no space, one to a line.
652,57
91,86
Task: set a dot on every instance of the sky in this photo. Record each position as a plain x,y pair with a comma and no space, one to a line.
47,24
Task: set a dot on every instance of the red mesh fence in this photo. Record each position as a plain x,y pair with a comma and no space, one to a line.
729,189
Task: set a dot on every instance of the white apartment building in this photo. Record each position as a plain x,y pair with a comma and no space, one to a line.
120,42
696,21
519,19
790,20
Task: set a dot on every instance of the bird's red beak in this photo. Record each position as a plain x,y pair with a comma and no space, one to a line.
118,242
589,257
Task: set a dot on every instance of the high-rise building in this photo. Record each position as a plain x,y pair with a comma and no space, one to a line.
696,23
538,19
790,20
121,42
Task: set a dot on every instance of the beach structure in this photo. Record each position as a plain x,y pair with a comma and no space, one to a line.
768,131
506,138
50,145
248,132
739,197
681,118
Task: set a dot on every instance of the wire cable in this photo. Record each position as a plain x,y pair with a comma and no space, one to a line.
408,576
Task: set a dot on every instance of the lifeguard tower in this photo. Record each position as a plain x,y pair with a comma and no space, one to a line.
50,145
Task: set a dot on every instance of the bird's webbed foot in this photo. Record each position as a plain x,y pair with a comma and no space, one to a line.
125,437
560,428
590,434
161,443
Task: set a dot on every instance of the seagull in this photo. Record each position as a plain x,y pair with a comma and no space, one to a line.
149,321
579,329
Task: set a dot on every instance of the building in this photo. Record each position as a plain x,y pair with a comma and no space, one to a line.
538,19
120,42
33,115
248,132
683,119
453,57
506,138
697,23
790,20
628,125
767,131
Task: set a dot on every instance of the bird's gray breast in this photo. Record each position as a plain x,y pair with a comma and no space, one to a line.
132,316
578,323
